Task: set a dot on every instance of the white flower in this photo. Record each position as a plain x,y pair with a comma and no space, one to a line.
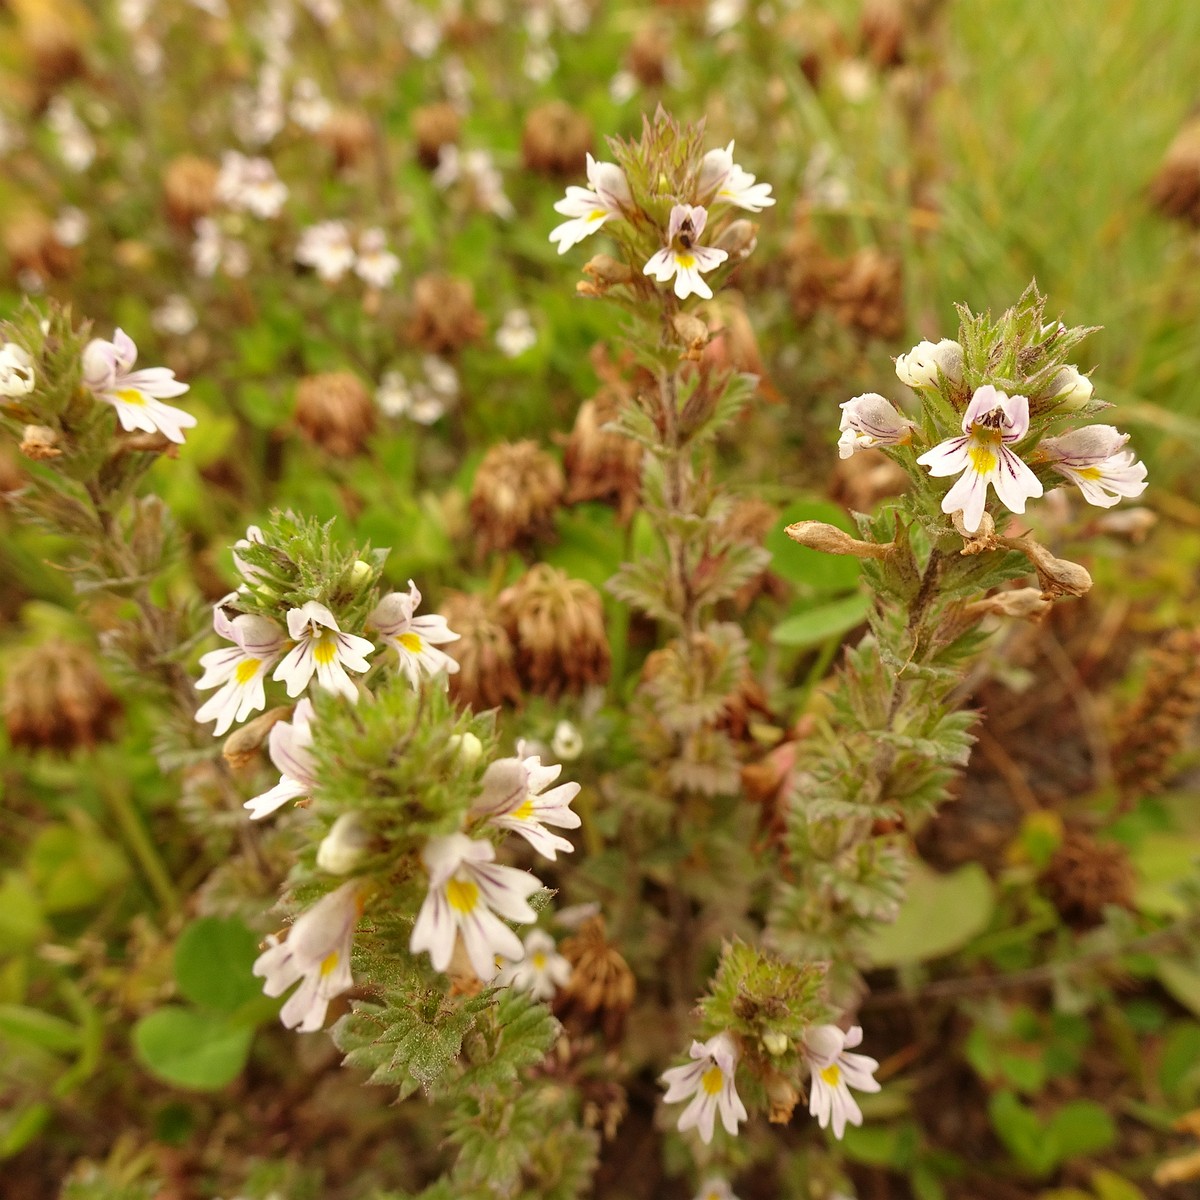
834,1073
254,537
317,950
982,455
1072,389
326,247
920,367
715,1188
440,375
709,1081
542,970
606,196
76,145
476,170
516,333
175,315
416,639
567,744
722,181
724,15
465,886
309,108
136,395
288,745
1092,458
376,265
321,647
344,846
212,249
393,395
17,376
71,226
250,185
870,420
513,797
681,257
238,670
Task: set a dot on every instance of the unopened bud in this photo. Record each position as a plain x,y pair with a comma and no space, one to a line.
920,367
266,592
468,747
605,271
1070,389
242,745
817,535
739,240
39,442
360,573
691,331
344,846
776,1043
567,743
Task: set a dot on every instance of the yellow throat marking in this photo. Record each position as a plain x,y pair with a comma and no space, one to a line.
525,810
539,961
246,670
325,648
329,963
462,895
411,642
832,1074
1088,472
712,1080
131,396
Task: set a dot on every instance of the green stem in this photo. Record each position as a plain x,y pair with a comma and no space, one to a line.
138,841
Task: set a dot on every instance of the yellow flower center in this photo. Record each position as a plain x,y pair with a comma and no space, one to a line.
325,647
525,811
597,214
539,961
329,963
131,396
246,670
711,1081
411,642
685,262
463,895
1088,472
983,459
832,1074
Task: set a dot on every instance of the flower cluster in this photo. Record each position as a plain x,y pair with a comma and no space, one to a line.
329,248
680,257
998,446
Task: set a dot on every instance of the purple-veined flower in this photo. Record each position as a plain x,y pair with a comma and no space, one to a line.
1093,459
606,196
870,420
323,649
834,1073
240,670
722,181
467,889
288,745
542,970
136,395
682,258
709,1081
981,456
513,797
416,639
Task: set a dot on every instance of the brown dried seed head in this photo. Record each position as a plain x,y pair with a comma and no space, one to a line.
435,126
601,989
648,54
31,245
190,189
1084,876
53,33
1163,717
56,699
866,292
556,140
487,671
881,28
1175,190
335,411
557,625
350,136
517,489
807,267
444,317
601,464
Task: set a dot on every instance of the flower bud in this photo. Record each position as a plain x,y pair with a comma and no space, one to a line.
738,240
467,746
344,846
360,572
782,1097
605,271
567,743
817,535
776,1043
1070,389
690,330
1027,604
1058,576
242,746
921,366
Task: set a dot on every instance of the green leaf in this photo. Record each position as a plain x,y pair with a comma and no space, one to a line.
1081,1128
38,1028
820,624
213,961
75,867
191,1048
1182,980
1022,1133
1110,1186
940,914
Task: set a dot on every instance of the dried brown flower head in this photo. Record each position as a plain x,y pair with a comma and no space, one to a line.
56,699
601,464
517,489
806,271
435,126
349,135
334,410
601,988
1163,717
39,443
1084,876
556,140
53,32
557,625
487,670
190,189
649,52
882,30
31,245
1175,190
866,293
444,317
